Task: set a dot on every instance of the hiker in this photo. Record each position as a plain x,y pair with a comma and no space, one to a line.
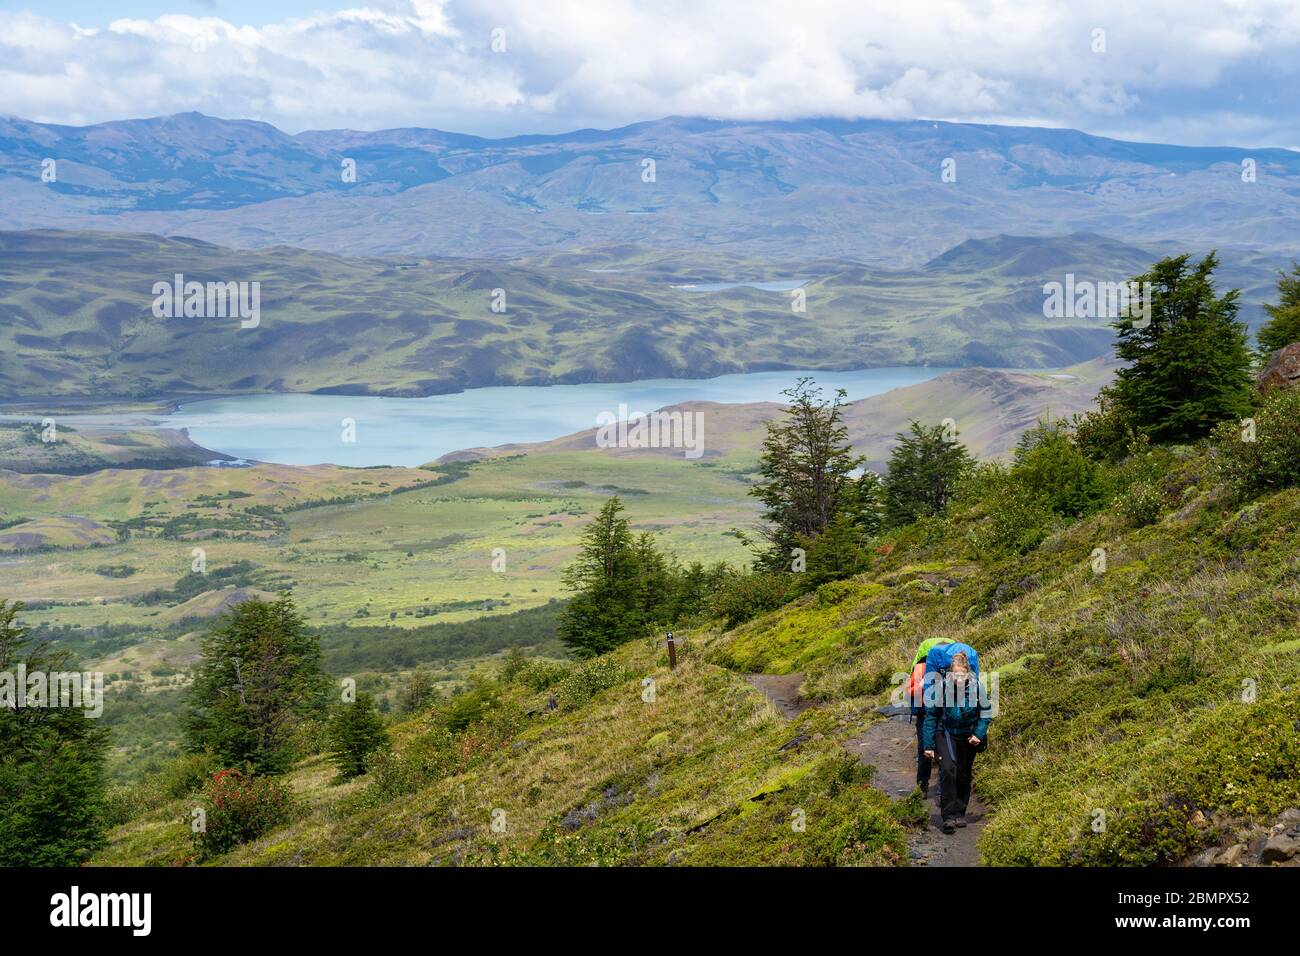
916,697
956,728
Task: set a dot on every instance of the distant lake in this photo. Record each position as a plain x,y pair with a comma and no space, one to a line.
306,429
781,285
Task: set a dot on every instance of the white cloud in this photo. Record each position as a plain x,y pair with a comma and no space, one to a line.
570,63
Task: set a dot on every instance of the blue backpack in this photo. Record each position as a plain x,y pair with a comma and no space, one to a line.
939,659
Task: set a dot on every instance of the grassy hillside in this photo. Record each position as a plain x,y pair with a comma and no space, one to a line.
78,322
1123,692
76,451
706,774
1155,694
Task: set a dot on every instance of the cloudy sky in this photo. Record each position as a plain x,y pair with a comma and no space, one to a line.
1181,71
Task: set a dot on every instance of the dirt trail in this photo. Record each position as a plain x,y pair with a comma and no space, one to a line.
890,746
782,691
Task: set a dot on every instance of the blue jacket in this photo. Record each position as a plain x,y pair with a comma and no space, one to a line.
961,715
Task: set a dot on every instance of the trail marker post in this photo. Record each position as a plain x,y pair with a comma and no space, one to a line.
672,652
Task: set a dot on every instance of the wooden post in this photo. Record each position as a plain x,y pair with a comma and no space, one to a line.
672,652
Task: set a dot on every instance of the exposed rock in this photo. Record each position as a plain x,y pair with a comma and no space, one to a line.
1279,849
1283,369
894,710
1290,818
1232,856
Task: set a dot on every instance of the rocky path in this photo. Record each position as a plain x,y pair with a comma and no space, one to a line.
889,745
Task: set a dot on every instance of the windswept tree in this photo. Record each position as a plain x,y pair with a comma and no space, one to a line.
924,470
1283,325
805,470
52,784
1189,366
259,679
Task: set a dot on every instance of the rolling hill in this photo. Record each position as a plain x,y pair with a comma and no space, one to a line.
991,408
76,315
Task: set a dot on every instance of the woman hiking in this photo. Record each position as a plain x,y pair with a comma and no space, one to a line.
955,730
916,700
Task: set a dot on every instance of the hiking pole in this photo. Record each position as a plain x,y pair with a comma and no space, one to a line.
672,653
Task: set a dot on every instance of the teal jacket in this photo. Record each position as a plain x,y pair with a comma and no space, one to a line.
962,716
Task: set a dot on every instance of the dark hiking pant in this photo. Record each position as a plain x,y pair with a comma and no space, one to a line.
956,759
923,762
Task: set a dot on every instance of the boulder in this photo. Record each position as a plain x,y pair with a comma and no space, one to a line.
1290,818
1283,369
1232,856
1279,849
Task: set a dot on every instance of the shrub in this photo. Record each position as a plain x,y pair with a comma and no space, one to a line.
1017,522
1104,433
588,679
239,807
393,774
466,708
174,779
1272,460
748,595
1141,503
424,759
540,674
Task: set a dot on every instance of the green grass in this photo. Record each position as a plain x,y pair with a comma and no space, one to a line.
423,557
1157,696
1143,711
697,776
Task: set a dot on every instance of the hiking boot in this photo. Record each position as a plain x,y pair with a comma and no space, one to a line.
960,821
949,826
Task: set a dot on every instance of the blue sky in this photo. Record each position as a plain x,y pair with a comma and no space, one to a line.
102,12
1181,71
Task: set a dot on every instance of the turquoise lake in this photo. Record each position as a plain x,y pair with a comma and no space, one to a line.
308,429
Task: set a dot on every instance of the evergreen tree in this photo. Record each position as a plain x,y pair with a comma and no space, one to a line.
805,468
52,784
1049,465
607,607
355,731
654,578
1189,367
862,500
924,469
838,552
418,694
1283,325
695,585
259,678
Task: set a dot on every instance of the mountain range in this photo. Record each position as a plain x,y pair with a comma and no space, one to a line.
871,191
